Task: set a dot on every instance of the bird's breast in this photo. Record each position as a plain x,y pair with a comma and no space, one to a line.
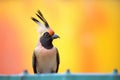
46,58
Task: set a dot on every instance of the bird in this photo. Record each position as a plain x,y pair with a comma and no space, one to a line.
45,57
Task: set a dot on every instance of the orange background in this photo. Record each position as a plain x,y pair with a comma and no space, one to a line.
89,31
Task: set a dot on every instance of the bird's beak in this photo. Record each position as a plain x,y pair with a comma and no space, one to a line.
55,36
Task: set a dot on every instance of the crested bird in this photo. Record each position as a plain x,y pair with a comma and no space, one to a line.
45,57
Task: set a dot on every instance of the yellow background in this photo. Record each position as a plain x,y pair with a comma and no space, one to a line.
89,31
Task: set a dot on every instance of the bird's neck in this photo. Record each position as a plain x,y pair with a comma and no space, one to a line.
46,44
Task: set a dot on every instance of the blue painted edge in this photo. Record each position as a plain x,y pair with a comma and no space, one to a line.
63,76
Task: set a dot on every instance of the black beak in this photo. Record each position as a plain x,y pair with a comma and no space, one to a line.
55,36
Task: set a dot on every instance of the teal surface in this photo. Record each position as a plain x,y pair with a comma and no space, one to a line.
64,76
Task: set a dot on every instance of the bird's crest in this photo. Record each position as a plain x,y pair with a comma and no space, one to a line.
44,27
40,15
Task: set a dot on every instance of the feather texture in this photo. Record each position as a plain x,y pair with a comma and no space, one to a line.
44,26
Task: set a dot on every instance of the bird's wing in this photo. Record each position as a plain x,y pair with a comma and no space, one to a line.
58,60
34,62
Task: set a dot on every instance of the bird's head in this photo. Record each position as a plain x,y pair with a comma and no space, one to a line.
47,34
44,27
52,34
47,38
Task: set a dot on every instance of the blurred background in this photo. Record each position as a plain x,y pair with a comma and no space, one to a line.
89,31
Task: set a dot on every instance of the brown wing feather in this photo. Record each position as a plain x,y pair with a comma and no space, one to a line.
34,62
58,60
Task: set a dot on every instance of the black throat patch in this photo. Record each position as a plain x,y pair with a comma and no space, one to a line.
46,41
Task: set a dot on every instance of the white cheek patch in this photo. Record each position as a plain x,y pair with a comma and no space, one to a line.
41,30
